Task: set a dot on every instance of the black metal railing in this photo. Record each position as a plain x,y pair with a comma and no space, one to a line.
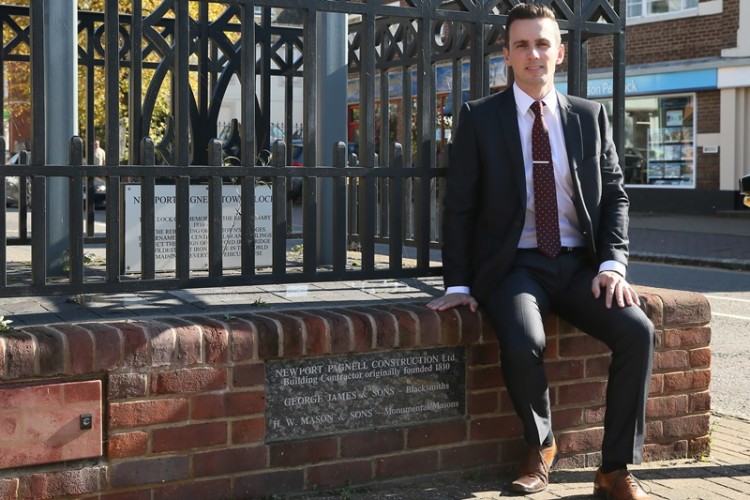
385,220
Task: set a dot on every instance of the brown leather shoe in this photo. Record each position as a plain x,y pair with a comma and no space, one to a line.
618,485
534,470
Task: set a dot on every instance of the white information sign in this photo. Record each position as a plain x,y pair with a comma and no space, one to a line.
165,227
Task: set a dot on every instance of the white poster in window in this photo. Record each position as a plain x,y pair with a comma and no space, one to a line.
165,227
674,118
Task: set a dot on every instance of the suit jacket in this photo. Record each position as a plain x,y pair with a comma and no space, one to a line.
485,201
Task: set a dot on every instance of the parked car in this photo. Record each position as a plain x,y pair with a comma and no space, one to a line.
12,189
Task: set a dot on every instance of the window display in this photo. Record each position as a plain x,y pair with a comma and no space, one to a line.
659,140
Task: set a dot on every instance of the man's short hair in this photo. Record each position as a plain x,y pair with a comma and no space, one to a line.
526,11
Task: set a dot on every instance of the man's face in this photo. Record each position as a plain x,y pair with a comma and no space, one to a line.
533,52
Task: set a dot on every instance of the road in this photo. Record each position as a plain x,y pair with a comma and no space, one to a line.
728,292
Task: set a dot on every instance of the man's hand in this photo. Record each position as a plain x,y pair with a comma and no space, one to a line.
451,300
615,286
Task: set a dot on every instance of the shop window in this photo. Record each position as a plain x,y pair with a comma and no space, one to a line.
659,141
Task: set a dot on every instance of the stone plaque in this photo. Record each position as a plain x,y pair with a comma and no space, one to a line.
165,206
328,395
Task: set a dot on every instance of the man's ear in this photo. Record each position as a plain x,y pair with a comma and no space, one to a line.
561,54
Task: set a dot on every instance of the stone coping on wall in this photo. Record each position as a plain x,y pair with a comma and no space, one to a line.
184,397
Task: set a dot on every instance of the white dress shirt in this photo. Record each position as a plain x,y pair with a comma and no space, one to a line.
570,233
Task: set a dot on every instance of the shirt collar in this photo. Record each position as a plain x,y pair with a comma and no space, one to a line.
524,101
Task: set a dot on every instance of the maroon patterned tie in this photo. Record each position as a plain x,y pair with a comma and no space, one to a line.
545,198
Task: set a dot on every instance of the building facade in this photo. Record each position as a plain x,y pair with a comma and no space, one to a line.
687,106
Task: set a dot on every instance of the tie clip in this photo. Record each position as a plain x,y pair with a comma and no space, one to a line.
540,161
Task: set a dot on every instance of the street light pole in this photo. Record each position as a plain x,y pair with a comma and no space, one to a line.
61,112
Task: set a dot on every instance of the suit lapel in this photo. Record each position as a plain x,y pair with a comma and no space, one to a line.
571,124
507,113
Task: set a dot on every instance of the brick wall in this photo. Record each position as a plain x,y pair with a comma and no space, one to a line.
672,40
184,399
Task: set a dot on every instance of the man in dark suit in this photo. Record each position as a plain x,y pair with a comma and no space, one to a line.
519,159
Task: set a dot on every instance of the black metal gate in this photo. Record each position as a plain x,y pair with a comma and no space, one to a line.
191,50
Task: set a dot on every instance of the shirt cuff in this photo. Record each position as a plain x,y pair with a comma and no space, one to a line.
613,265
458,289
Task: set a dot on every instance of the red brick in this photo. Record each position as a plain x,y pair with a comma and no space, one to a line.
160,470
683,308
506,404
163,340
196,490
64,483
80,349
575,346
127,385
340,330
686,426
229,404
495,428
654,431
700,358
269,484
597,366
431,329
293,334
363,330
318,334
268,336
407,464
248,375
669,406
471,455
689,338
684,381
594,415
250,430
140,413
670,361
189,436
303,452
582,441
483,402
657,384
652,305
243,337
386,328
339,474
472,328
365,444
189,380
437,434
2,357
700,401
699,447
215,340
108,344
408,326
128,444
8,487
665,451
567,418
228,461
20,358
583,392
483,354
50,350
135,344
564,370
487,377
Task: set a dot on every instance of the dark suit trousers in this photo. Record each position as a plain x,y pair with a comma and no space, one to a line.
536,285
